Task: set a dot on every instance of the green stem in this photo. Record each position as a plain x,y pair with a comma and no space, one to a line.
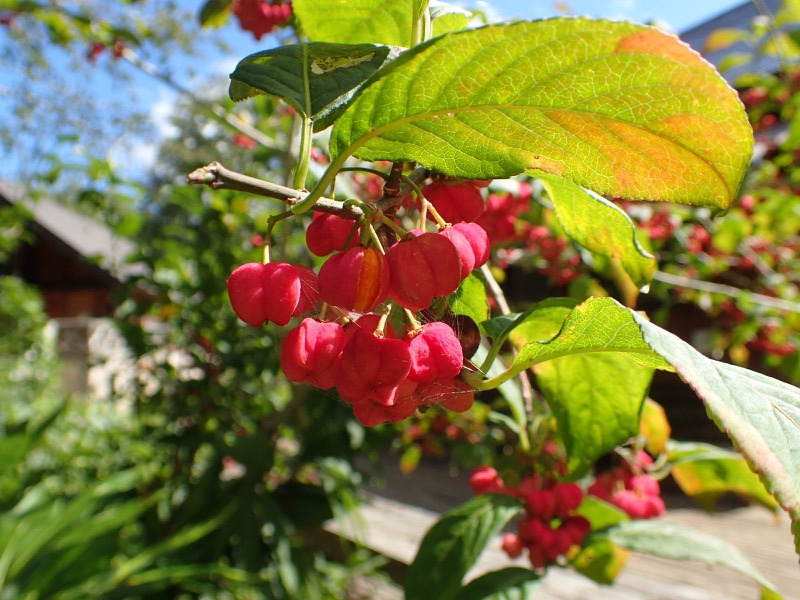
373,235
327,178
271,222
401,233
420,18
364,170
304,158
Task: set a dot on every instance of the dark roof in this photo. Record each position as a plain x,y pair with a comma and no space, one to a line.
77,234
740,17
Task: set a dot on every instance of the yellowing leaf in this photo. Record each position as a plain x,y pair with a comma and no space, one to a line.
617,108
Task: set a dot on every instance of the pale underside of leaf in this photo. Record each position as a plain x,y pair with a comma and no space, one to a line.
760,414
673,541
617,108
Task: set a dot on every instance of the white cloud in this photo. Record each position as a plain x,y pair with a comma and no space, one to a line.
161,114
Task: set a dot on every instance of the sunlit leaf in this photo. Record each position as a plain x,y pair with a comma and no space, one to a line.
600,560
470,299
600,226
617,108
214,13
707,473
317,79
356,21
723,38
654,427
448,17
596,325
596,399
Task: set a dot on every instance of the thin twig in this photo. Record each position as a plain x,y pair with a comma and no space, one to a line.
727,290
218,177
214,108
502,304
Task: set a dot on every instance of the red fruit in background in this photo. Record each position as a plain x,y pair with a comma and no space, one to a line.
118,49
310,351
357,279
486,480
259,17
261,293
540,504
755,95
371,367
95,50
455,203
421,268
435,353
575,528
512,545
328,233
244,141
568,496
472,245
537,532
309,290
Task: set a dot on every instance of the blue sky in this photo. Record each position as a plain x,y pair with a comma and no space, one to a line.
679,14
158,100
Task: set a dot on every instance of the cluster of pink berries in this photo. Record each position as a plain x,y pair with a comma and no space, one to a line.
550,527
385,376
627,487
260,17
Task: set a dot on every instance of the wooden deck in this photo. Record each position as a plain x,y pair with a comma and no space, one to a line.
397,516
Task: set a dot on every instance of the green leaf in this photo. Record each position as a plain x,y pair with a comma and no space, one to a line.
707,473
356,21
760,414
601,514
470,299
448,17
454,543
618,108
596,400
596,325
600,226
600,560
669,540
317,79
214,13
654,427
511,583
543,322
723,38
